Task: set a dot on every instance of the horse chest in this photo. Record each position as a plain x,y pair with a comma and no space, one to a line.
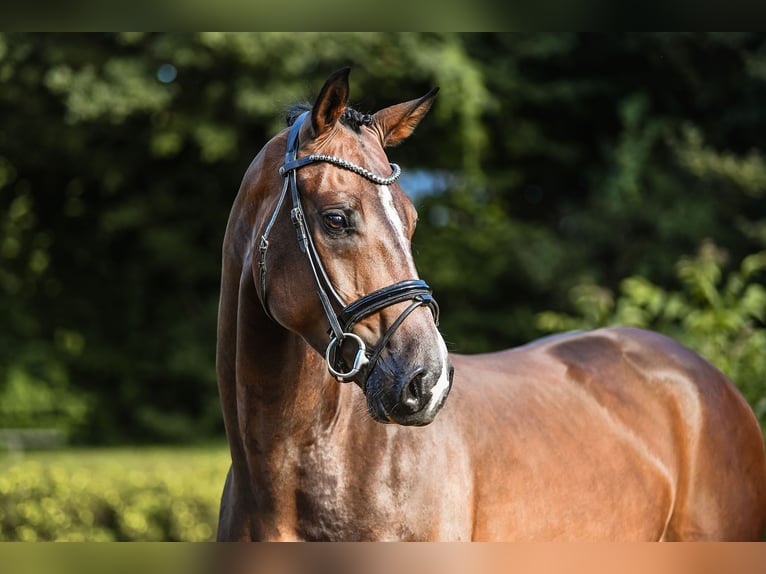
384,496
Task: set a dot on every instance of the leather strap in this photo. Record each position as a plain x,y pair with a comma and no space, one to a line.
412,289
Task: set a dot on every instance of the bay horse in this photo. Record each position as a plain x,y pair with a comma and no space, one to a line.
614,434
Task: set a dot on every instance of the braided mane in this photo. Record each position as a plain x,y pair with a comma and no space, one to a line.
350,118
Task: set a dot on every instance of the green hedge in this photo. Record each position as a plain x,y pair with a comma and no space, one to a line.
113,495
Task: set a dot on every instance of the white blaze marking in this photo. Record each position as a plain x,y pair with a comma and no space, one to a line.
387,200
442,385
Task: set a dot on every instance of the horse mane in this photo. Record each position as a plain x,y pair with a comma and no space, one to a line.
350,118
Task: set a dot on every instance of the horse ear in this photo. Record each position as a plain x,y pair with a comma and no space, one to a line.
331,102
396,123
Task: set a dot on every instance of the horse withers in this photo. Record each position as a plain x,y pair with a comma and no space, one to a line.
615,434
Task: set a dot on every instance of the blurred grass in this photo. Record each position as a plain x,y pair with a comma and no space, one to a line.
115,494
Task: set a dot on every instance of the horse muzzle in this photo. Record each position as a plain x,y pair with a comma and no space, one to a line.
408,398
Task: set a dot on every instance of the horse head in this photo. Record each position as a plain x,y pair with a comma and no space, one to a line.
339,270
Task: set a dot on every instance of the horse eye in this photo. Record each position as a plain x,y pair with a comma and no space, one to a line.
335,221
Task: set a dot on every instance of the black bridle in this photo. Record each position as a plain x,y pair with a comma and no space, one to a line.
341,324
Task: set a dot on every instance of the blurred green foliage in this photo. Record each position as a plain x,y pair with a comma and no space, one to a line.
550,161
116,495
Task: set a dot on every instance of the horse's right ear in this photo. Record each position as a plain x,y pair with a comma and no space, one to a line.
395,123
331,103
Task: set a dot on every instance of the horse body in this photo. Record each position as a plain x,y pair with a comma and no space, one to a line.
542,442
616,434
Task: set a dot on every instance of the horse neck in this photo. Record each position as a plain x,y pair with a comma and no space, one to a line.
273,385
286,388
274,388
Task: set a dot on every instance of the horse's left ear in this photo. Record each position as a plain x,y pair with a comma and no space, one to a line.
331,102
396,123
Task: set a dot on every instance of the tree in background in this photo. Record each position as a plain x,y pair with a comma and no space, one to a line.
549,161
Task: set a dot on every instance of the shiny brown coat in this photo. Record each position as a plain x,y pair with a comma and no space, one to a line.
615,434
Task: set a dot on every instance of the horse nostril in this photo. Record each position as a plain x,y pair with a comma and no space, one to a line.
413,392
414,389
